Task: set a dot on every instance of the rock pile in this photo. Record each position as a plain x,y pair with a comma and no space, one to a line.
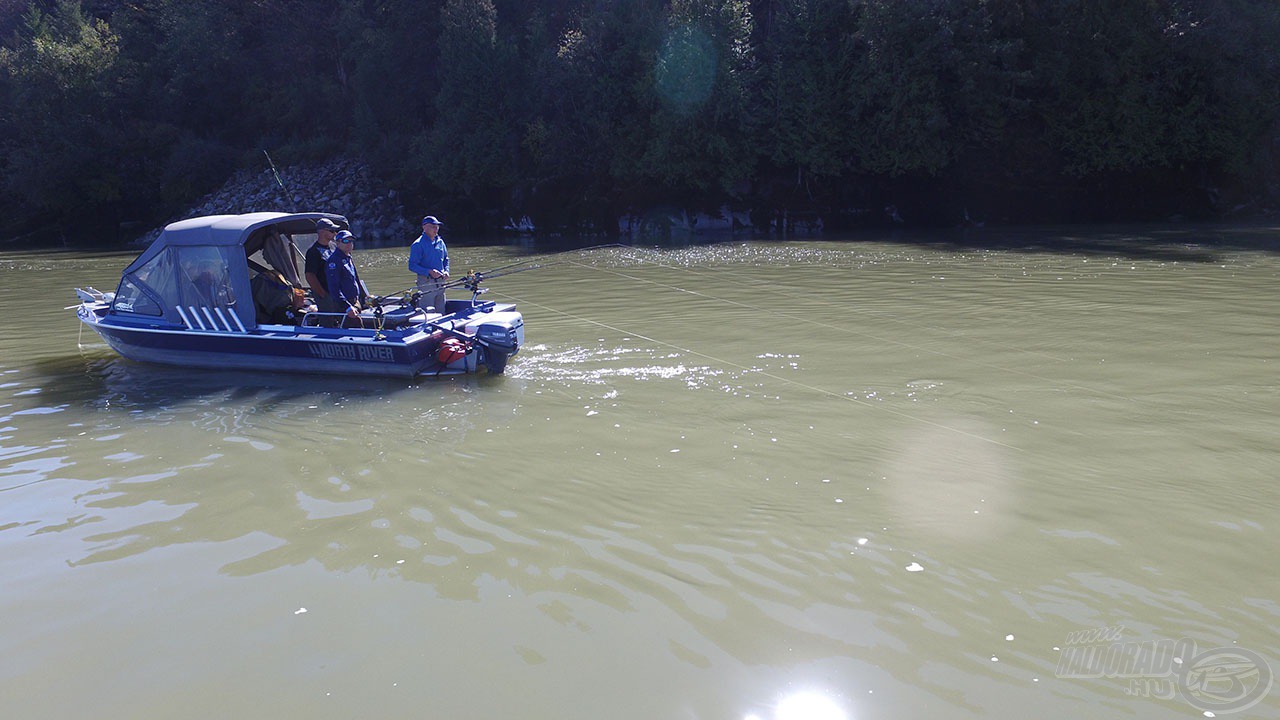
343,186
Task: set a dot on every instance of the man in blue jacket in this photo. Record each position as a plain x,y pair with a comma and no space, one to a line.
344,282
429,260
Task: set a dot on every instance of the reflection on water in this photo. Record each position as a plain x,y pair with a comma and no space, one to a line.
773,481
809,706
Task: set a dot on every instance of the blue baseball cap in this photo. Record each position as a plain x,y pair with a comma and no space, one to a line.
345,237
431,220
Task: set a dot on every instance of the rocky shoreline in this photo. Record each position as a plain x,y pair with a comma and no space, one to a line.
343,186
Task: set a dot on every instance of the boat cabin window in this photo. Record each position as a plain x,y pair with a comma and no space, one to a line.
181,276
131,298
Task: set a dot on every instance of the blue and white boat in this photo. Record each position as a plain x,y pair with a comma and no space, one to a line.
207,293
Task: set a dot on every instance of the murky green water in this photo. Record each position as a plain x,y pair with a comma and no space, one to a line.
777,481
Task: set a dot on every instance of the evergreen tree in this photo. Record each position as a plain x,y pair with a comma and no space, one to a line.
469,148
698,136
60,129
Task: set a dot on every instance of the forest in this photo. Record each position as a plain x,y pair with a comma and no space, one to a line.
578,112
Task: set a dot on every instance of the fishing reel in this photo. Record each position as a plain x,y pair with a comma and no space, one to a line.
472,282
404,299
379,322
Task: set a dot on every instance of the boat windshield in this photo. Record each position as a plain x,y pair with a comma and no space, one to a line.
182,276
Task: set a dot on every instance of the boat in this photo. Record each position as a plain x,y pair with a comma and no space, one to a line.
207,293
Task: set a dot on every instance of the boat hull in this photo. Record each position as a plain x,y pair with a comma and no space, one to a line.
283,350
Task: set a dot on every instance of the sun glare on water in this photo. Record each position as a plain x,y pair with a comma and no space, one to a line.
805,706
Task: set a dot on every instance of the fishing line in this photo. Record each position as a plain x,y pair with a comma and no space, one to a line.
765,373
851,331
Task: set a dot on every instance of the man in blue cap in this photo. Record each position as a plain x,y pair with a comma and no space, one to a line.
315,259
429,260
344,282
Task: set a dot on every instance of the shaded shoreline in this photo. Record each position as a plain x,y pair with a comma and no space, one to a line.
1198,242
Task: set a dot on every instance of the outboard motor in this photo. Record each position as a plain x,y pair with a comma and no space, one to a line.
499,339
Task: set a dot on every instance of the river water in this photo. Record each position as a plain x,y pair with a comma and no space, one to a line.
751,480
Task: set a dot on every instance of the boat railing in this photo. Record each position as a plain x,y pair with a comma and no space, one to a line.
324,319
368,320
194,321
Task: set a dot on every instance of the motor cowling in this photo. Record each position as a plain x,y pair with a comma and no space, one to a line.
499,340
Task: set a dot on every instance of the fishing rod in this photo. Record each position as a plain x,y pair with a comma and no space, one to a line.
471,281
474,278
495,272
288,198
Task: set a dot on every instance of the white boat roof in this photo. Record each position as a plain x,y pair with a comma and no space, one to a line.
232,229
223,230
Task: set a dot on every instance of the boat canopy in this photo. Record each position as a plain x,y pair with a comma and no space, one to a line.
198,270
